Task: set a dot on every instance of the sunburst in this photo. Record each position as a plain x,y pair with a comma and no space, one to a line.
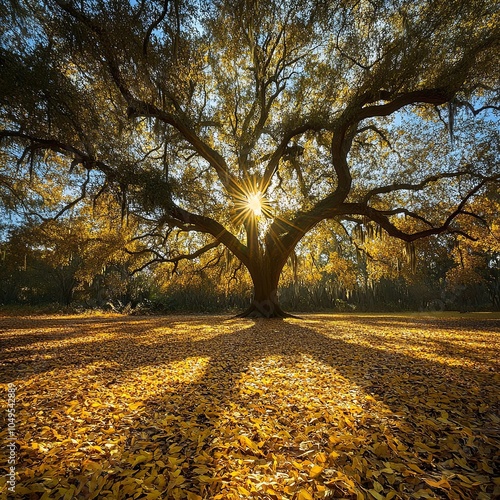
251,206
254,202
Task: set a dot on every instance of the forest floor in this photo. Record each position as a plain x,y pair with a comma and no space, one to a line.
348,406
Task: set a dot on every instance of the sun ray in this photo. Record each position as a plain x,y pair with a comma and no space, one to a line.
254,202
252,205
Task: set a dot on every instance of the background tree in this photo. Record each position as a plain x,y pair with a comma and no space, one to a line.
476,258
78,253
246,124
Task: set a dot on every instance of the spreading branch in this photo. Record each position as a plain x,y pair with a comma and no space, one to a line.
404,186
383,220
158,259
177,214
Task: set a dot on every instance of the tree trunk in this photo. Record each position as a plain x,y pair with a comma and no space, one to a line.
265,275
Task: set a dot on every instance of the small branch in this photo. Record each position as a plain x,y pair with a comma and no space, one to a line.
76,200
473,110
377,131
153,26
407,212
465,235
410,187
476,216
174,260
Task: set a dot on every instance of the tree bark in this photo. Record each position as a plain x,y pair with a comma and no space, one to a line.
265,303
265,274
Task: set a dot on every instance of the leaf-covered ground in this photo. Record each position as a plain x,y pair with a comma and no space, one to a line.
206,407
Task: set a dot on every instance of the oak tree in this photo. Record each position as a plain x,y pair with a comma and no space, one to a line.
246,124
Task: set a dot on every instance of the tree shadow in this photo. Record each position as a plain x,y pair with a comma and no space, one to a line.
269,373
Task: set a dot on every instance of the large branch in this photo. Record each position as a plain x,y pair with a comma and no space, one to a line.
283,235
286,234
426,96
382,217
215,159
281,150
452,80
208,225
177,214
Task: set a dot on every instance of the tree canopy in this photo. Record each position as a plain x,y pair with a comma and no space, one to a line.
248,124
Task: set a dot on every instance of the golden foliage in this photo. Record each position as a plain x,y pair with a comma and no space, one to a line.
205,407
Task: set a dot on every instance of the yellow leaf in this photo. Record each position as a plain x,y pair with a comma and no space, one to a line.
246,441
486,467
495,419
202,469
315,471
178,480
21,490
193,496
304,495
140,459
205,479
423,493
416,468
243,491
162,481
423,446
443,483
134,406
153,495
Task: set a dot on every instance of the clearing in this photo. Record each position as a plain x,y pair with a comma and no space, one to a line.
205,407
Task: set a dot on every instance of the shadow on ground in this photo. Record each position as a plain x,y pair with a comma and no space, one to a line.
264,397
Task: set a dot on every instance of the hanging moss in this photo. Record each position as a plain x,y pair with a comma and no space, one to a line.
411,255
